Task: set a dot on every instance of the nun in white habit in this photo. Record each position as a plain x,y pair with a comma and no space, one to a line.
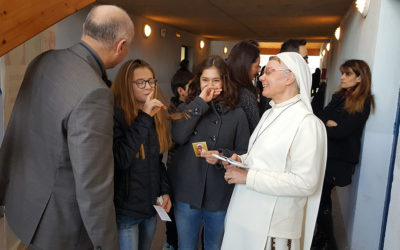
275,201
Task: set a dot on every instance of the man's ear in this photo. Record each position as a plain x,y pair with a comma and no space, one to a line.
120,45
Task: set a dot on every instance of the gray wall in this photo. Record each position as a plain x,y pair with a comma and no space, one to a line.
217,47
163,54
374,39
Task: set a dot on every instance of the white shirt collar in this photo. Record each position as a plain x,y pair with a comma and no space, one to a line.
285,103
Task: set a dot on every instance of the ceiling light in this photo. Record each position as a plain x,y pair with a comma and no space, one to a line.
362,7
225,50
328,46
337,33
202,44
147,31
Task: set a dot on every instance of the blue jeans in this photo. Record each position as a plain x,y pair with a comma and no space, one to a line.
135,234
188,223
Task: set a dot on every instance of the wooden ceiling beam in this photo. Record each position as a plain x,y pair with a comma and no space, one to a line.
20,20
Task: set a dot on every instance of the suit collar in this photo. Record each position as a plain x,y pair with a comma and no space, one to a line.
88,55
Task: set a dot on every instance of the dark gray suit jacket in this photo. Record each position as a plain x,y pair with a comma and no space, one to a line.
56,161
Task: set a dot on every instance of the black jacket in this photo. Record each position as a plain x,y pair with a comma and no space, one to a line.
138,182
248,102
344,140
194,181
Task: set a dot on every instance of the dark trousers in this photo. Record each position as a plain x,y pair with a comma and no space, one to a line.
324,237
172,234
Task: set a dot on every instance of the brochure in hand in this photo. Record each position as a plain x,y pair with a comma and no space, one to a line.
233,162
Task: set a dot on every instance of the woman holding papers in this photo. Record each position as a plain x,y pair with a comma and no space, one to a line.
201,194
275,201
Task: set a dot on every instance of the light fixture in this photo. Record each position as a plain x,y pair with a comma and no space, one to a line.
147,30
178,35
202,44
337,33
362,7
323,53
328,46
225,50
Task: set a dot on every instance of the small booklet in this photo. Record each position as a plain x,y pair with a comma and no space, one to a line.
162,213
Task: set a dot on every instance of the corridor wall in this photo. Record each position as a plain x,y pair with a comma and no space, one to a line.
162,53
374,40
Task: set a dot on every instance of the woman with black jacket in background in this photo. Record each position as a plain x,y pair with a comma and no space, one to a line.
344,118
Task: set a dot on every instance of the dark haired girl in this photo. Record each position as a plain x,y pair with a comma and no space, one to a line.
244,65
200,191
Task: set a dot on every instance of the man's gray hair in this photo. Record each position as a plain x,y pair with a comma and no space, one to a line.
108,29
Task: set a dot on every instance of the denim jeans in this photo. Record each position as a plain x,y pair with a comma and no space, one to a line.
135,234
188,223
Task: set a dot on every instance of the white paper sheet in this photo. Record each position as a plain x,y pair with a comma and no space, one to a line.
162,213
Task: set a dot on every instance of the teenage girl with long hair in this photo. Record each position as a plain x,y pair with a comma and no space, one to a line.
344,118
141,135
200,191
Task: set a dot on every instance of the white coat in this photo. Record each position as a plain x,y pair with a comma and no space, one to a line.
286,160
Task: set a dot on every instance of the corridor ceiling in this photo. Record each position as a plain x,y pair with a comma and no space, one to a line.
262,20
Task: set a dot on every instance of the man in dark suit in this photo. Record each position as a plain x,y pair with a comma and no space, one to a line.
56,161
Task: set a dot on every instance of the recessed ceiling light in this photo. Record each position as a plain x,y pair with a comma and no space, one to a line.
362,7
202,44
147,30
337,33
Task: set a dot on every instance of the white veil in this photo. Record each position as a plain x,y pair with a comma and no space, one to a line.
299,67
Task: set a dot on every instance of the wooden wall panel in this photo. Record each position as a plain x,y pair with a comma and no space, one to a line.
22,19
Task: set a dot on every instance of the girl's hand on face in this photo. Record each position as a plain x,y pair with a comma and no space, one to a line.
207,94
217,92
207,155
152,106
210,93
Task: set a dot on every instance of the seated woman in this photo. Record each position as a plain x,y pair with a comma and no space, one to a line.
275,202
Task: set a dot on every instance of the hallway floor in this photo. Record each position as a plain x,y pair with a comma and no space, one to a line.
340,233
160,237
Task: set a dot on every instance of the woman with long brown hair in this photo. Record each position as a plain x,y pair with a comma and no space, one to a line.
244,64
344,118
197,179
141,135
